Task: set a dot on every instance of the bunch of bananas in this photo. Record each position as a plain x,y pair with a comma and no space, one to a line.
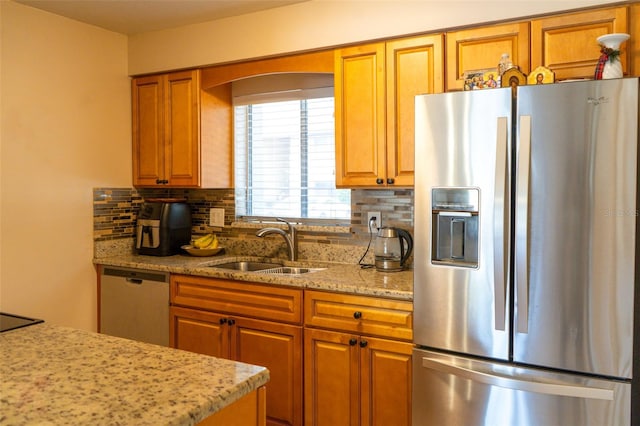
209,241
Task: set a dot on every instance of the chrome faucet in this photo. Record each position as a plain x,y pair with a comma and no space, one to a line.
289,237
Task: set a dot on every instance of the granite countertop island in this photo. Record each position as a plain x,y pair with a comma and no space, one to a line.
337,277
58,375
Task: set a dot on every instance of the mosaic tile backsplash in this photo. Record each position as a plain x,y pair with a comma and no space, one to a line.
115,212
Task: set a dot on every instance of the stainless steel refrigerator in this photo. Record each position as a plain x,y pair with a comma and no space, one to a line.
525,255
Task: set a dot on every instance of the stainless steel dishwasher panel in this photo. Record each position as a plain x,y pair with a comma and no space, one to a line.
134,304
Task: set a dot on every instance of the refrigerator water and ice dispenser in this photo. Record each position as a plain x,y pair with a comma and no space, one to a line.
455,226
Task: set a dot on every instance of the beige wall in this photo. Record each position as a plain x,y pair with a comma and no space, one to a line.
319,23
65,128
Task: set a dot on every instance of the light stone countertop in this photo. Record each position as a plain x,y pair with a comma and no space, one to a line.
57,375
337,277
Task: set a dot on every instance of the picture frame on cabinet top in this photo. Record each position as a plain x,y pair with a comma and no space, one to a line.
541,75
481,79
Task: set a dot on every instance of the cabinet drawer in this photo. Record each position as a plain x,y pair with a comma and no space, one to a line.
359,314
240,298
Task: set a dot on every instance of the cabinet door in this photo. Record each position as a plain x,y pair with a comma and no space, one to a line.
182,129
201,332
385,369
567,43
331,386
279,348
414,67
148,130
360,115
481,48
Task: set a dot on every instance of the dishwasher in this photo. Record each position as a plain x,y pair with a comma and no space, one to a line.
134,304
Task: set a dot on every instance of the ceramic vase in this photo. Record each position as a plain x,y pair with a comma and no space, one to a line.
613,66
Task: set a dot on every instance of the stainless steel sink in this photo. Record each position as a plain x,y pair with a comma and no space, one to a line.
289,270
258,267
247,266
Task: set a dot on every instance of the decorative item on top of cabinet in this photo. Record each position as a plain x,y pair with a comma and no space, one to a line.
366,380
479,48
375,86
181,134
609,65
567,43
541,75
247,322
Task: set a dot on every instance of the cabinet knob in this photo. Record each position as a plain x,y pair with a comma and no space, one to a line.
223,320
352,342
232,321
390,181
363,343
357,314
379,181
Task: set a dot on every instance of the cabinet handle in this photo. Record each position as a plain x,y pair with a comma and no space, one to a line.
379,181
352,341
223,320
357,314
162,181
363,343
232,321
391,181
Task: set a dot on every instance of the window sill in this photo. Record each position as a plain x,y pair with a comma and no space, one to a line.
324,229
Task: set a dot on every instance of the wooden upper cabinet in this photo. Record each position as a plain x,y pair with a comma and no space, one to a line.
567,43
359,116
415,66
375,86
166,129
181,134
182,129
481,48
148,130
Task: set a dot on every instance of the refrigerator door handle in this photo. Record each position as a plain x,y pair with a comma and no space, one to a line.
500,230
492,379
522,225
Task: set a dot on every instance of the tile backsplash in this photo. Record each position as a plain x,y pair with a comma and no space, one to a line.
115,212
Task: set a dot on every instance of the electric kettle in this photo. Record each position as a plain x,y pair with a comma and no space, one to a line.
393,248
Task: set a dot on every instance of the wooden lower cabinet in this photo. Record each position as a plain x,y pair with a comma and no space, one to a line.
270,344
356,349
247,411
356,380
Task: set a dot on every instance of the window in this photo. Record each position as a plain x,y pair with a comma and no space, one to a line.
285,150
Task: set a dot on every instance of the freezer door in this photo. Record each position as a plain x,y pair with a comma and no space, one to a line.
450,390
462,222
575,225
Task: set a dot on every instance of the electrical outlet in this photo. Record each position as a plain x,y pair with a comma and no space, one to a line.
216,217
373,227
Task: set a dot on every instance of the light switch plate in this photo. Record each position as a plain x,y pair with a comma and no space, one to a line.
216,217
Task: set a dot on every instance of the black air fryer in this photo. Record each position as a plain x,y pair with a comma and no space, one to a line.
164,224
